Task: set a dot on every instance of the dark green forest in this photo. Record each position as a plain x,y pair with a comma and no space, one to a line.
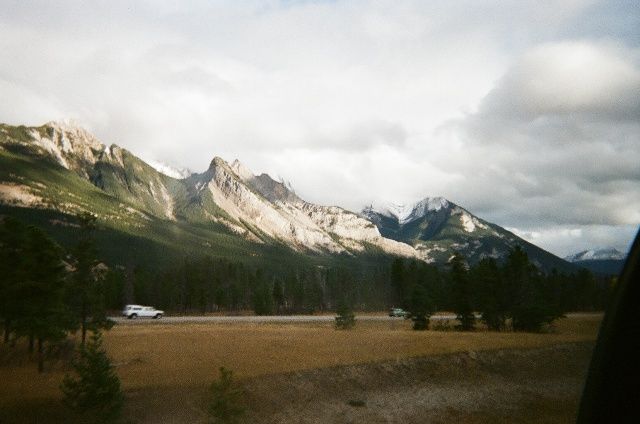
47,291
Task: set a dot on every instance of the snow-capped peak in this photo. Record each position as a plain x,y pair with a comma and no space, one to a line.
607,253
405,213
168,170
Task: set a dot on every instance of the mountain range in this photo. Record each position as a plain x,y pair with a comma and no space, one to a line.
601,261
56,170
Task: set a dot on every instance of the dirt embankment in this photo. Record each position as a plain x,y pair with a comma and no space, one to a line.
533,385
540,385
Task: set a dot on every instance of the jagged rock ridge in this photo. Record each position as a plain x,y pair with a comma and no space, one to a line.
257,208
125,189
437,227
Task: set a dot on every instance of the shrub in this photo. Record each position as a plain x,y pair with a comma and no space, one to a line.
225,405
346,319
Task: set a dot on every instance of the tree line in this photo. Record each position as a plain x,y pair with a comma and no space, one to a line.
47,292
513,294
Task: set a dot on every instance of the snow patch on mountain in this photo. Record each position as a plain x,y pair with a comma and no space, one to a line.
599,254
468,221
352,229
406,213
168,170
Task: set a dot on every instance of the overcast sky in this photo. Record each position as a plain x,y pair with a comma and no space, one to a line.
525,113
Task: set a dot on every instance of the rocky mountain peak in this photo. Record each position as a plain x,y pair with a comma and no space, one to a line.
255,207
217,162
273,190
405,213
241,171
70,136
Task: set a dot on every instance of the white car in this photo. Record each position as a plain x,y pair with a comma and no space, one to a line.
398,312
135,311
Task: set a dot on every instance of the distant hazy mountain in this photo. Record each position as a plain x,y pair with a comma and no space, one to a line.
50,172
606,253
437,227
606,261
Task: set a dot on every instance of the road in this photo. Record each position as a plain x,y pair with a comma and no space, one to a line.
276,319
257,319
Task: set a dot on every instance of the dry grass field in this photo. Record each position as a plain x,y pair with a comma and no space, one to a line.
166,367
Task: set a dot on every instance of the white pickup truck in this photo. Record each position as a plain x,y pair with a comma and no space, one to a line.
139,311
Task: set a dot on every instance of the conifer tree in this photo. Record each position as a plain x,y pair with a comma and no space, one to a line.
398,281
262,299
345,319
493,301
420,307
278,296
12,244
95,392
530,311
225,406
86,292
462,293
43,316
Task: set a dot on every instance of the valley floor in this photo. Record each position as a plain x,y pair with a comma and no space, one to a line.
309,372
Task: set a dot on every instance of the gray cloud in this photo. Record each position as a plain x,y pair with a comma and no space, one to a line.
556,143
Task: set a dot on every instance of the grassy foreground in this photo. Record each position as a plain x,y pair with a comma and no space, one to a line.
184,358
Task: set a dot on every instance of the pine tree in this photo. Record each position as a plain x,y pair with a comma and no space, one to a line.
12,244
278,296
530,310
493,301
86,291
96,392
225,406
462,293
398,281
262,299
345,319
420,307
43,316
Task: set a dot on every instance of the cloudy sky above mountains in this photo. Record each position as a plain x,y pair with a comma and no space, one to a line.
525,113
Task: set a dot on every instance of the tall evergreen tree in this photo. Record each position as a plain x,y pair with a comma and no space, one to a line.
262,299
420,307
43,316
462,293
530,311
493,300
398,281
278,295
12,272
86,291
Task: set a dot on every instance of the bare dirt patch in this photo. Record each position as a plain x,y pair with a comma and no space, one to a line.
18,194
515,385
